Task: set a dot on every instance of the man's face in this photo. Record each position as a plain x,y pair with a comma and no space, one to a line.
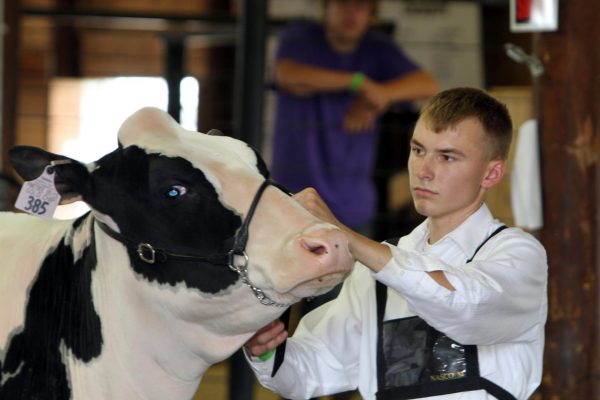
347,20
449,171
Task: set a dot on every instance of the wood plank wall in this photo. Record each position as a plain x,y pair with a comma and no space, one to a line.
116,52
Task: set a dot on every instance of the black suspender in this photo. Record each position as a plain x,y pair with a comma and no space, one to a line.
497,231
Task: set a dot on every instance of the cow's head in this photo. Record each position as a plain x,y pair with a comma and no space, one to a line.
188,193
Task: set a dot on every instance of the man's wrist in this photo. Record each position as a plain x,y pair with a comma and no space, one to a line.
267,355
356,82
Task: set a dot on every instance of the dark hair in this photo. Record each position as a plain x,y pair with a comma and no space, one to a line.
374,4
450,107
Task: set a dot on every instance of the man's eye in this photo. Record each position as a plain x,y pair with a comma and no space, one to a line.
175,191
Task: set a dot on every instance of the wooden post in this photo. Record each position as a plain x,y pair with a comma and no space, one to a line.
568,103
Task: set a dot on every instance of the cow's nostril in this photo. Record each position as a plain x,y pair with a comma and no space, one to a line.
317,249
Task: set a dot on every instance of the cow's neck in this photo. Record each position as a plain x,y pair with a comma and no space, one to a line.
162,338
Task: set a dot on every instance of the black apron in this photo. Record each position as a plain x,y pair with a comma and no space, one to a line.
415,360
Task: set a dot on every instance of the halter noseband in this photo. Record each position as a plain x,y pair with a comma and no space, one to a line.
151,255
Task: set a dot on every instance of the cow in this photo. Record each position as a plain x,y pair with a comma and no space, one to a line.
187,250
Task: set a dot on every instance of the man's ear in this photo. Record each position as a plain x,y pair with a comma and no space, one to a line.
72,179
495,172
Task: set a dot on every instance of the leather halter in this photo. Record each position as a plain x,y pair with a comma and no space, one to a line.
151,255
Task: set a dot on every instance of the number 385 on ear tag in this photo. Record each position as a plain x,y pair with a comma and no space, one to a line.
39,196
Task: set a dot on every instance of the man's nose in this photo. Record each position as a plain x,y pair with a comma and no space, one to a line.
425,169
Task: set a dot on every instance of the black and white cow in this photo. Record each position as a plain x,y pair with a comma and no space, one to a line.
84,316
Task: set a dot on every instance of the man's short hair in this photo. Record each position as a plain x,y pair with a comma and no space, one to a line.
450,107
374,4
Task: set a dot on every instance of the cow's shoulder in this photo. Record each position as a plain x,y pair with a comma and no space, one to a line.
59,303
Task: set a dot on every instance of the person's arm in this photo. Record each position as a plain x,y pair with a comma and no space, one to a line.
304,80
372,254
322,356
266,339
375,98
360,117
506,282
499,297
415,85
377,255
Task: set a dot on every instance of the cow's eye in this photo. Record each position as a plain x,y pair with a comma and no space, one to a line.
175,191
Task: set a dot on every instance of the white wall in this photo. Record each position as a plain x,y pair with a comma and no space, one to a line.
443,37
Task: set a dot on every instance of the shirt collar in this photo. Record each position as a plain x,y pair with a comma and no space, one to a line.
473,230
468,235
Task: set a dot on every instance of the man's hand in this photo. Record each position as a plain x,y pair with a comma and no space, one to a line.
310,199
360,116
372,101
266,339
375,95
372,254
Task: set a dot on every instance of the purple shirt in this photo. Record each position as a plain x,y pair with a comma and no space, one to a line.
310,146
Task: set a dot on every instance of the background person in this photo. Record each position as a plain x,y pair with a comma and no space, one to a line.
455,310
334,80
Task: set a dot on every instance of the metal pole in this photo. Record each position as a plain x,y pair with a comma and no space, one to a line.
174,72
250,71
248,124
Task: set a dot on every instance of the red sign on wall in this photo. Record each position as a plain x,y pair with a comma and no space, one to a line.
533,15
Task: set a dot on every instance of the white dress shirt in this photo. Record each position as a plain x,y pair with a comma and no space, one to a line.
500,304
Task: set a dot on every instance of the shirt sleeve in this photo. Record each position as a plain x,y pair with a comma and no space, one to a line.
500,296
393,60
322,356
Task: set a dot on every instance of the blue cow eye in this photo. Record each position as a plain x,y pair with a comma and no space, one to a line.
176,191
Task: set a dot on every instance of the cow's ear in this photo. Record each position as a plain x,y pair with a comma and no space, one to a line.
72,177
29,162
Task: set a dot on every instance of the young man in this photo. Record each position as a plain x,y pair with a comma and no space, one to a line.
454,310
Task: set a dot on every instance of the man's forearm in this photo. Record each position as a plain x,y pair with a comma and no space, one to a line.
375,256
412,86
304,79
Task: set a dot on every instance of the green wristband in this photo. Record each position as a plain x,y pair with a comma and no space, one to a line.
357,80
267,355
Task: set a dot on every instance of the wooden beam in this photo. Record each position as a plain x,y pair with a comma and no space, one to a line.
568,102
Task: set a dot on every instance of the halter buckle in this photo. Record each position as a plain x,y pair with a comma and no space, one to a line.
146,253
232,253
